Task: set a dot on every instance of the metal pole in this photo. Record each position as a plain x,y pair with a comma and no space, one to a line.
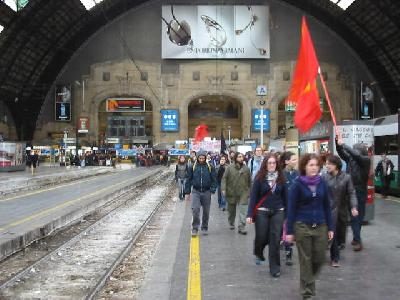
83,94
262,128
398,148
229,135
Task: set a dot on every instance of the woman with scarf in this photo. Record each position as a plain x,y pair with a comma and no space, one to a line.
267,209
309,221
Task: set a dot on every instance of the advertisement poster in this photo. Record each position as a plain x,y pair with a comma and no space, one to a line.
367,101
215,31
12,155
63,103
256,120
125,105
170,120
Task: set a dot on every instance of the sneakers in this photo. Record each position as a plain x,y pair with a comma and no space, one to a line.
195,232
276,275
231,226
242,232
335,264
258,260
341,246
204,231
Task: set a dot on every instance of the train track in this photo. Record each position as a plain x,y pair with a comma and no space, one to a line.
79,268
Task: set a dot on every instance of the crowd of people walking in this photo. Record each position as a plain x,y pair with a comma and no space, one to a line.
306,202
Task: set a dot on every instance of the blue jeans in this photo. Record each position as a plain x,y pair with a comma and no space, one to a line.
356,222
181,186
221,198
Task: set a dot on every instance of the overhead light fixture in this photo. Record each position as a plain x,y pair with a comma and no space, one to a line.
88,4
1,28
343,4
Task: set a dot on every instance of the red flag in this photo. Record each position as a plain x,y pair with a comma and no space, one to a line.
304,92
200,133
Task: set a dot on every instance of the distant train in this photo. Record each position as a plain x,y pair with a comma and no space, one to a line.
386,141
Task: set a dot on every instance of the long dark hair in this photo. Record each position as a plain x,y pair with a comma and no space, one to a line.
262,173
284,157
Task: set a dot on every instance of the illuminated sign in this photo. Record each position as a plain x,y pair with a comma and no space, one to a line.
63,103
256,120
169,120
125,105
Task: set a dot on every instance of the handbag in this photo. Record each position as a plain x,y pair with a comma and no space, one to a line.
262,200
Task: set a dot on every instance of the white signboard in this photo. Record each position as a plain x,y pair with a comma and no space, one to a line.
215,31
353,134
261,90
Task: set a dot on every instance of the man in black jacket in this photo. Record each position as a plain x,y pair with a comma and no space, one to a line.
358,166
384,170
202,177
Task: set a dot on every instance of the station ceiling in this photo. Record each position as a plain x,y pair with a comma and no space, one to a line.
38,40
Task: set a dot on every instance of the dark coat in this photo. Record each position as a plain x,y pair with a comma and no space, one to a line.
275,200
342,193
380,172
358,165
202,177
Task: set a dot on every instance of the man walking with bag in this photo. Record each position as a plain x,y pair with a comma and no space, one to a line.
202,177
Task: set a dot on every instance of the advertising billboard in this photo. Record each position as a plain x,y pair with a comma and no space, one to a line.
215,31
63,103
12,156
256,120
125,105
169,120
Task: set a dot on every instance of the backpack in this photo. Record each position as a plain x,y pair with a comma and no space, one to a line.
208,165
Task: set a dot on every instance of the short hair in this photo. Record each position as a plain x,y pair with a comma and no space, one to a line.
304,161
335,160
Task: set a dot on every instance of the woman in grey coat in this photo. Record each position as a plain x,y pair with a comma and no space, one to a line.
343,196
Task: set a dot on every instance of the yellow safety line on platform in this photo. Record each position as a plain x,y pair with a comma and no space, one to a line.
62,205
194,276
46,190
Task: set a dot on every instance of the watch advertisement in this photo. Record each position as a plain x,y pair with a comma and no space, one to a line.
63,103
215,31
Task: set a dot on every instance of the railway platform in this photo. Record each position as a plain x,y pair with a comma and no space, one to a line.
222,267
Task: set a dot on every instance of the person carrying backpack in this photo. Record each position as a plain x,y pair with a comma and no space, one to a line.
201,183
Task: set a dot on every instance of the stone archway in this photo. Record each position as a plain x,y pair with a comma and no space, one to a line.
219,113
97,106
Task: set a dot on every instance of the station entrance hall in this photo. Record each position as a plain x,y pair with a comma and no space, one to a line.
199,150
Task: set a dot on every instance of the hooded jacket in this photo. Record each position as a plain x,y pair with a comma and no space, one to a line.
202,177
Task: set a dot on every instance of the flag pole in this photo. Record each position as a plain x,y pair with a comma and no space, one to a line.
327,98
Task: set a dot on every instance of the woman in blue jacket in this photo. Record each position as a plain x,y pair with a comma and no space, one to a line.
310,221
267,208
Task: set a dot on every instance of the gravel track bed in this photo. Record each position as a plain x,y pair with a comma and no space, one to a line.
73,271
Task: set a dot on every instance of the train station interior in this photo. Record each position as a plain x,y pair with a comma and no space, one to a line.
99,99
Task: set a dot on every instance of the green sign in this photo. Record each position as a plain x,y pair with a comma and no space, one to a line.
21,4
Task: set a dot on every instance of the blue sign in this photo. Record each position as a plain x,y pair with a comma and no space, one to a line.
169,120
256,120
127,152
178,152
117,146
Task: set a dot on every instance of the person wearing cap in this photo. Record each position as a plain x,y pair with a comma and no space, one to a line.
201,183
